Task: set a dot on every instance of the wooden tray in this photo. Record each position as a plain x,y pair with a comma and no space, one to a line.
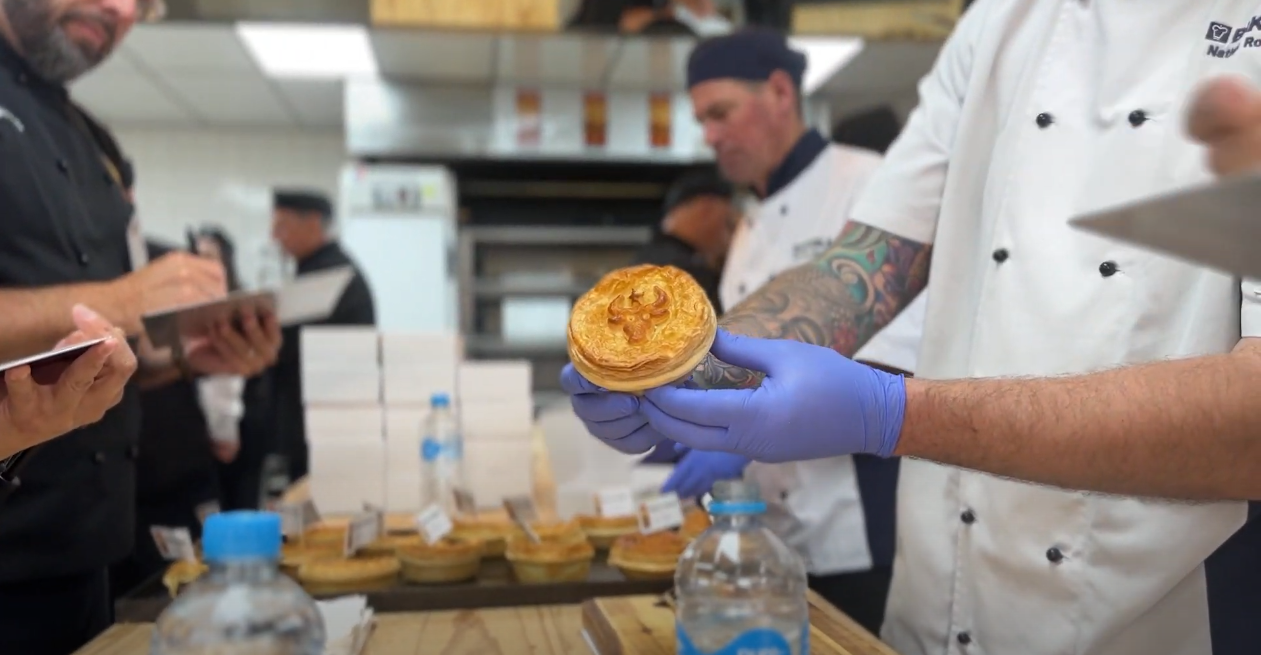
644,625
494,587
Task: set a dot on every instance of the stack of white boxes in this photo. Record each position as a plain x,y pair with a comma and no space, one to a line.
496,411
341,392
416,366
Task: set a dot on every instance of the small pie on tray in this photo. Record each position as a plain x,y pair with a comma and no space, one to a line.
181,573
556,558
451,559
294,555
640,328
329,577
492,533
648,556
695,522
388,544
325,534
602,531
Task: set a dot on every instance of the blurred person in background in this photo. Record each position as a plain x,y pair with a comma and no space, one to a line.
694,235
302,224
838,512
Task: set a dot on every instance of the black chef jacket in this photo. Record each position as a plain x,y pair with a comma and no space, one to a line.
63,219
667,250
354,308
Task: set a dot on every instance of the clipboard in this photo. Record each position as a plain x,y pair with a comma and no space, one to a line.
47,367
1215,225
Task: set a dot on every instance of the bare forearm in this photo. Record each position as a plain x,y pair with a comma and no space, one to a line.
36,319
838,301
1185,429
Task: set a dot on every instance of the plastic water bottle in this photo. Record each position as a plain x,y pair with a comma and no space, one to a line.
741,591
441,454
243,606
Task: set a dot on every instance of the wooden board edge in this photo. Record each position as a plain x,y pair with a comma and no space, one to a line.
599,631
843,626
912,19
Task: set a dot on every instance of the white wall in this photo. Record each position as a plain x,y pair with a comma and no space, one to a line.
192,177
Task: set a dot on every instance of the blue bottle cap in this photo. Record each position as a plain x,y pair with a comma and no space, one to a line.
232,536
440,400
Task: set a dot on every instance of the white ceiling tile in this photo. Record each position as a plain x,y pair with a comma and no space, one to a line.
652,63
231,99
451,56
117,92
185,47
318,103
563,60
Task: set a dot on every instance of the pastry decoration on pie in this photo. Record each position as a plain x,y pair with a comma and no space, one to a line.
640,328
181,573
327,577
555,558
450,559
648,556
695,522
493,533
602,531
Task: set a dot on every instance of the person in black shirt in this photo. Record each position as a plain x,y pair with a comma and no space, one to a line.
700,217
301,224
67,236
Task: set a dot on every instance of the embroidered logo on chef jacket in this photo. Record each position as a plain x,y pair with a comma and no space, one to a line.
1228,40
7,116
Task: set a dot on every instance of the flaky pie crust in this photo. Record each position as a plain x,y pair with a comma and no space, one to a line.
551,549
695,522
657,551
354,570
181,573
640,328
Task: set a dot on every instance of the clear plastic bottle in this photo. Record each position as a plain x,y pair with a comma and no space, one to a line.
441,454
243,606
740,589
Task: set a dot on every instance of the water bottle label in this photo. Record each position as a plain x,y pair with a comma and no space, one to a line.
762,641
431,450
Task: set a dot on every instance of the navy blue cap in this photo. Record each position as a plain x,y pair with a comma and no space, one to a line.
751,55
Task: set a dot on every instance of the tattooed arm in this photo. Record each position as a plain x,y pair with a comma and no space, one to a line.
839,300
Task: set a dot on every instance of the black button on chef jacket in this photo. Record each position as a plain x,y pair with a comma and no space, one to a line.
63,220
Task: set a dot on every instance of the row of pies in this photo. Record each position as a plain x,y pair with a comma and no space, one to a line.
563,554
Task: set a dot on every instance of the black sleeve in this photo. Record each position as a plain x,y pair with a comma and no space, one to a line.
356,306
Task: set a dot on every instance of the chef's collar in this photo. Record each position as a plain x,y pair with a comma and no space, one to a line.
13,64
808,148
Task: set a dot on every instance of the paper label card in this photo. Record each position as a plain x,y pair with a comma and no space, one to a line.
174,543
434,524
464,501
364,529
292,519
310,515
612,503
521,510
204,510
663,512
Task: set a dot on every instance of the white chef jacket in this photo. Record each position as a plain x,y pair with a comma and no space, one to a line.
1036,111
818,506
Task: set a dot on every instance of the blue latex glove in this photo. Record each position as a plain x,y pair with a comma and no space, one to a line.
813,403
666,452
613,418
696,474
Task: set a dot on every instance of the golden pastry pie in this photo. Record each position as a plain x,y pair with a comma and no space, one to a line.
695,522
648,556
329,577
492,533
556,558
602,531
182,573
388,544
325,534
641,327
294,555
451,559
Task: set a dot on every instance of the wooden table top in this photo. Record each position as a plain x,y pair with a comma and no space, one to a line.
543,630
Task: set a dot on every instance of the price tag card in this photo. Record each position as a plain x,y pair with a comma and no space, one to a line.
310,515
663,512
612,503
292,519
464,501
174,543
364,529
521,510
204,510
434,523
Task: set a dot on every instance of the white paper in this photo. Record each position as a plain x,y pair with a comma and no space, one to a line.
364,529
348,621
174,543
663,512
434,524
313,296
292,519
612,503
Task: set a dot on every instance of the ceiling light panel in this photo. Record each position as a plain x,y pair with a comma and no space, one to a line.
292,51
